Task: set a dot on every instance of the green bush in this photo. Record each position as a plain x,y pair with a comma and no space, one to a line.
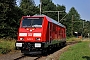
73,39
6,46
4,50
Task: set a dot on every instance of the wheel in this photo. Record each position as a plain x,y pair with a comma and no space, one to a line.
45,51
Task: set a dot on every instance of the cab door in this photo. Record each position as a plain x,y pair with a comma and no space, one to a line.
50,32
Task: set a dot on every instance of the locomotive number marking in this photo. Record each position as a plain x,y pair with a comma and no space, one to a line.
29,38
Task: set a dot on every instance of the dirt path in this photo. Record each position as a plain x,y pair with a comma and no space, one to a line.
10,56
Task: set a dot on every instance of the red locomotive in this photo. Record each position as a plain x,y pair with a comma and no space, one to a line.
39,33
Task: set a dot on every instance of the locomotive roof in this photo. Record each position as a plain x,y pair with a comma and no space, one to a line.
50,20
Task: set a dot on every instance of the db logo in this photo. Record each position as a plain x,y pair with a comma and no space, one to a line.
29,34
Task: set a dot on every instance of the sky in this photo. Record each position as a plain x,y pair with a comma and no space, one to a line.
82,6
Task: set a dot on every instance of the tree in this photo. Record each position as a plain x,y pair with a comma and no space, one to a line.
13,21
73,22
28,7
9,18
48,5
6,8
86,28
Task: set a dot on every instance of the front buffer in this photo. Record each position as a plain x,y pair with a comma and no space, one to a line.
32,48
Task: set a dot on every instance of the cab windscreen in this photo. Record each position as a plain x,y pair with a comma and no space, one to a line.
32,22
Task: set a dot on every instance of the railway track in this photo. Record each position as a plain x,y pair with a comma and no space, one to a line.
24,57
20,56
27,57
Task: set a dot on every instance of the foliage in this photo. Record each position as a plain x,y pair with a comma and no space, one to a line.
6,7
86,28
28,7
10,16
6,45
47,5
70,39
73,21
80,51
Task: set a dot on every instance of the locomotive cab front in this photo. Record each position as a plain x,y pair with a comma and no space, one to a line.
30,30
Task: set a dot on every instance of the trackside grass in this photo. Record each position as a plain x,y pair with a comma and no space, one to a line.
73,39
6,46
80,51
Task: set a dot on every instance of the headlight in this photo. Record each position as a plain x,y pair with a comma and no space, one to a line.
21,38
22,34
18,44
37,44
37,38
37,34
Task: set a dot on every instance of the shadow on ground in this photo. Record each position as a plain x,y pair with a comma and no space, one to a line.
86,57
